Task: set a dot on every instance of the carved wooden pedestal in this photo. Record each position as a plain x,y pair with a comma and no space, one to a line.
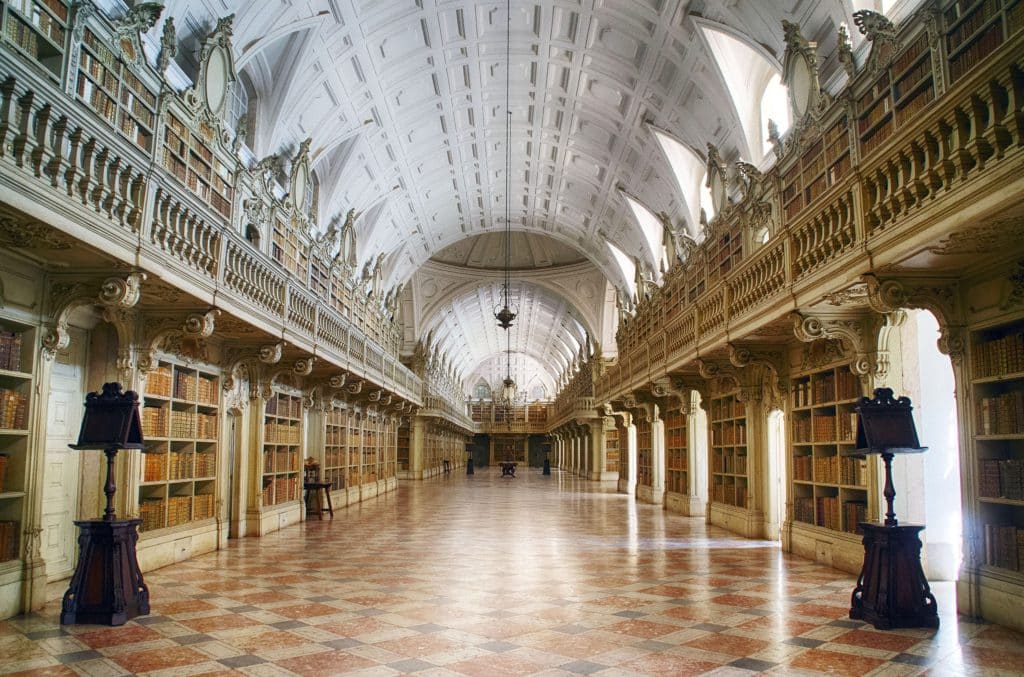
107,587
892,591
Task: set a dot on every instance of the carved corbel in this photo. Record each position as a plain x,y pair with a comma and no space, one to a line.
168,333
770,365
355,387
271,353
723,376
667,387
941,297
304,366
66,297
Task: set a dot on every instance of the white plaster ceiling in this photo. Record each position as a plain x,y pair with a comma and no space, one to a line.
405,103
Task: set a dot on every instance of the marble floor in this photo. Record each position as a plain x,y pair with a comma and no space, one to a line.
488,576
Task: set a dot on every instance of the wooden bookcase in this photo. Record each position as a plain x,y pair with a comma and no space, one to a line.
290,248
371,447
975,28
402,450
180,417
353,471
676,450
17,343
282,449
188,155
997,434
335,448
726,252
112,91
644,454
388,449
828,490
898,94
38,29
729,484
611,449
823,164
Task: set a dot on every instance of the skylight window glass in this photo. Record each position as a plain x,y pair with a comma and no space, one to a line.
688,169
649,224
625,265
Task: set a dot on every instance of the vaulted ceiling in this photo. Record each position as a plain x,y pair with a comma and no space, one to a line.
405,103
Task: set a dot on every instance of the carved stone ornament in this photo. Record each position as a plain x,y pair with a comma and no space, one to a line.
818,354
717,182
987,238
168,46
852,332
139,19
337,381
355,387
28,234
65,297
1015,294
304,366
210,93
881,32
271,354
940,297
299,183
844,52
800,74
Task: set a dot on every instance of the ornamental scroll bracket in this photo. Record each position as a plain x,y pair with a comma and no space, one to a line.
939,296
66,297
881,33
800,75
667,387
767,367
622,414
169,334
851,331
721,376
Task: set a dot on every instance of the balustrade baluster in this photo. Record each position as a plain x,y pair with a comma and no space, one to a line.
24,123
59,141
40,132
8,111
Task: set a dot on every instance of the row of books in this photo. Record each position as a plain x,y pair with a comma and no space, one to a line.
1003,355
280,490
910,55
977,50
908,109
869,143
822,511
49,26
912,78
284,406
281,461
1001,414
281,433
970,23
826,388
1001,478
727,408
158,382
1004,546
13,409
9,540
729,433
729,494
728,463
10,350
674,460
877,89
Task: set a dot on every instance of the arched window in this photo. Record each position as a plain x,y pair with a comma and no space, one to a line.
240,114
482,390
774,107
688,169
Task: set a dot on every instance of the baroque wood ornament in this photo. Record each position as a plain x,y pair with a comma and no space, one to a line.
807,102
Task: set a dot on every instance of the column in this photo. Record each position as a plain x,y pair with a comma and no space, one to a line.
657,456
598,452
631,459
416,441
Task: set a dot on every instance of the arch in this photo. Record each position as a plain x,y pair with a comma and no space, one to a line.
747,69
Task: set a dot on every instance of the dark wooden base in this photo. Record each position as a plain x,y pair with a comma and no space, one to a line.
107,587
892,591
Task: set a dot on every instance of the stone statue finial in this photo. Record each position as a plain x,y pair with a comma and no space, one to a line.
845,53
168,45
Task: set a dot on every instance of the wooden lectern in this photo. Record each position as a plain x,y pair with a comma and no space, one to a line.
892,591
107,586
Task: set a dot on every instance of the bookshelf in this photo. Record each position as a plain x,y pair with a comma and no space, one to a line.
824,163
335,451
898,94
112,91
402,450
16,375
188,155
997,388
676,450
282,449
180,416
727,250
975,28
353,468
290,250
371,444
389,445
644,454
829,490
38,29
728,451
611,449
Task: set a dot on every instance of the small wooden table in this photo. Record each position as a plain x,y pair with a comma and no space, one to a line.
316,488
508,469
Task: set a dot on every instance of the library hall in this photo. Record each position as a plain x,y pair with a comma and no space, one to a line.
512,337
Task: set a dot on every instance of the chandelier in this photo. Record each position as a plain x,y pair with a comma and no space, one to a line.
506,314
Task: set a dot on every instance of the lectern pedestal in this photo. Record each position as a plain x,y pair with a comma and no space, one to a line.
107,587
892,591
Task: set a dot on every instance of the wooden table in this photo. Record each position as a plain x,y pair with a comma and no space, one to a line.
316,488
